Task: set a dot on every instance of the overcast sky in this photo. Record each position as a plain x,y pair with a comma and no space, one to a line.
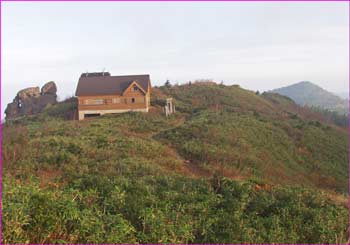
259,45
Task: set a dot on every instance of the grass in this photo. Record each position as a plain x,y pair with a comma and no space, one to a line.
229,167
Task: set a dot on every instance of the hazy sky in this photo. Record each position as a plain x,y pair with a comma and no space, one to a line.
259,45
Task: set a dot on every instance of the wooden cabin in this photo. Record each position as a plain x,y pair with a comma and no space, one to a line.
100,93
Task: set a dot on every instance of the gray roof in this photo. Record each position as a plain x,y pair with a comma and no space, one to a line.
108,85
95,74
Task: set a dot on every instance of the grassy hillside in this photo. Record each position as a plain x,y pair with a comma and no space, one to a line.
307,93
266,136
230,166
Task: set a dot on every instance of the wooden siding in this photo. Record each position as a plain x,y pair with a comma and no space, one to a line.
131,92
125,102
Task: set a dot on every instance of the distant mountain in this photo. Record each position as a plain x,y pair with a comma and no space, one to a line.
343,95
307,93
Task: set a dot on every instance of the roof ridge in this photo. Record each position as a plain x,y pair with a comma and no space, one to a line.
131,75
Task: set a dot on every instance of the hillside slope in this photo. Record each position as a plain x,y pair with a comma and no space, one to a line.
307,93
230,166
267,136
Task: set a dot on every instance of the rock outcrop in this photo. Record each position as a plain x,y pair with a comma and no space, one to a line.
32,100
49,88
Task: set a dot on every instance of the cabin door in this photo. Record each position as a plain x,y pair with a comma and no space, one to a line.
169,107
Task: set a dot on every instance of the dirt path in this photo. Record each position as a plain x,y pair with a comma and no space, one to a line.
189,167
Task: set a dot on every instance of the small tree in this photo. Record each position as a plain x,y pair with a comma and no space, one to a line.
167,84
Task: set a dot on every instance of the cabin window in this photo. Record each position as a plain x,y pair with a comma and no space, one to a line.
94,102
132,100
136,88
116,100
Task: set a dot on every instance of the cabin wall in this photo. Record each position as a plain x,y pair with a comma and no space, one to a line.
112,104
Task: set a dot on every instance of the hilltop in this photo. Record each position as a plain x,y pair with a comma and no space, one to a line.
230,166
307,93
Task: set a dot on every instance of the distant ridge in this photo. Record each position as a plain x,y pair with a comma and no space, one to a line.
307,93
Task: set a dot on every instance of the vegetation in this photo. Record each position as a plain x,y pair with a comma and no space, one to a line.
333,116
230,166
